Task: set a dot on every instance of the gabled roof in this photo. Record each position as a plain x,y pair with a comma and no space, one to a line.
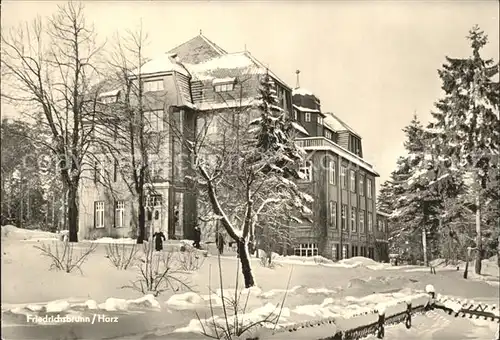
230,65
336,124
302,91
197,50
163,63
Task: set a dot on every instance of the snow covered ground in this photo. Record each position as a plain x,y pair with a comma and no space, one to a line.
318,289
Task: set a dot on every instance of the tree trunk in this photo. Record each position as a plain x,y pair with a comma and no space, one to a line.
479,242
142,220
73,212
245,263
28,206
53,212
424,244
467,259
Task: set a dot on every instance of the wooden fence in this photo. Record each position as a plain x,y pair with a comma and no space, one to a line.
361,326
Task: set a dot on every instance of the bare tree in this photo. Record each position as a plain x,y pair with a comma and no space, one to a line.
248,172
50,67
139,129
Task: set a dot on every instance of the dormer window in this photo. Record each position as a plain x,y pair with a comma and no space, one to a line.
108,99
328,134
295,115
307,116
153,85
224,84
320,120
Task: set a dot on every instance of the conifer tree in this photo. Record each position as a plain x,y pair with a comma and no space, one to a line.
468,117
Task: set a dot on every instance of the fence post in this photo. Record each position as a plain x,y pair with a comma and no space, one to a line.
408,315
380,323
429,289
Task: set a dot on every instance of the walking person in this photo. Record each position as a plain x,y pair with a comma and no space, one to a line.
197,237
220,242
159,237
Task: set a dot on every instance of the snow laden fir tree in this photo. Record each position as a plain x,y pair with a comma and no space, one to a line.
466,123
249,175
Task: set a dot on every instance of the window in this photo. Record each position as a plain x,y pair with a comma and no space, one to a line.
319,120
224,87
370,222
99,214
295,115
354,251
153,85
306,170
353,219
354,145
379,225
155,169
344,217
153,201
108,99
281,96
362,221
307,116
153,120
333,214
344,251
343,177
328,134
306,249
353,180
386,226
361,184
335,252
371,253
120,214
331,172
369,189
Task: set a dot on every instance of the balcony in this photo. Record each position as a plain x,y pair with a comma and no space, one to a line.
322,143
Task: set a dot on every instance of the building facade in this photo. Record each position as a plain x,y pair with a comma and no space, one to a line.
190,90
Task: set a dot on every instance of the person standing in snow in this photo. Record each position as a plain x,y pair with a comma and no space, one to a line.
197,237
220,242
159,237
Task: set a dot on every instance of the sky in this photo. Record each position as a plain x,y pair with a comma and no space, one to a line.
373,63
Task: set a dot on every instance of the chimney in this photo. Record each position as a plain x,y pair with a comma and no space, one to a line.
298,82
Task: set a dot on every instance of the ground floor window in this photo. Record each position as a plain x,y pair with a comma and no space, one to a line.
99,214
354,251
120,214
344,251
335,252
363,251
306,249
371,253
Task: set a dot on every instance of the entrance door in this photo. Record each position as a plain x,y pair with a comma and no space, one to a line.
153,215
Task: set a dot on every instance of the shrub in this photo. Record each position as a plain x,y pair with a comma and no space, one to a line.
122,256
63,257
157,273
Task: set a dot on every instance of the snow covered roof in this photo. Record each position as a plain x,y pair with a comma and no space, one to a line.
161,64
300,128
229,65
109,93
302,91
305,109
329,145
223,80
334,122
227,104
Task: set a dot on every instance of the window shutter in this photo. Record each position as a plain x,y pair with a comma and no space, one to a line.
95,214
